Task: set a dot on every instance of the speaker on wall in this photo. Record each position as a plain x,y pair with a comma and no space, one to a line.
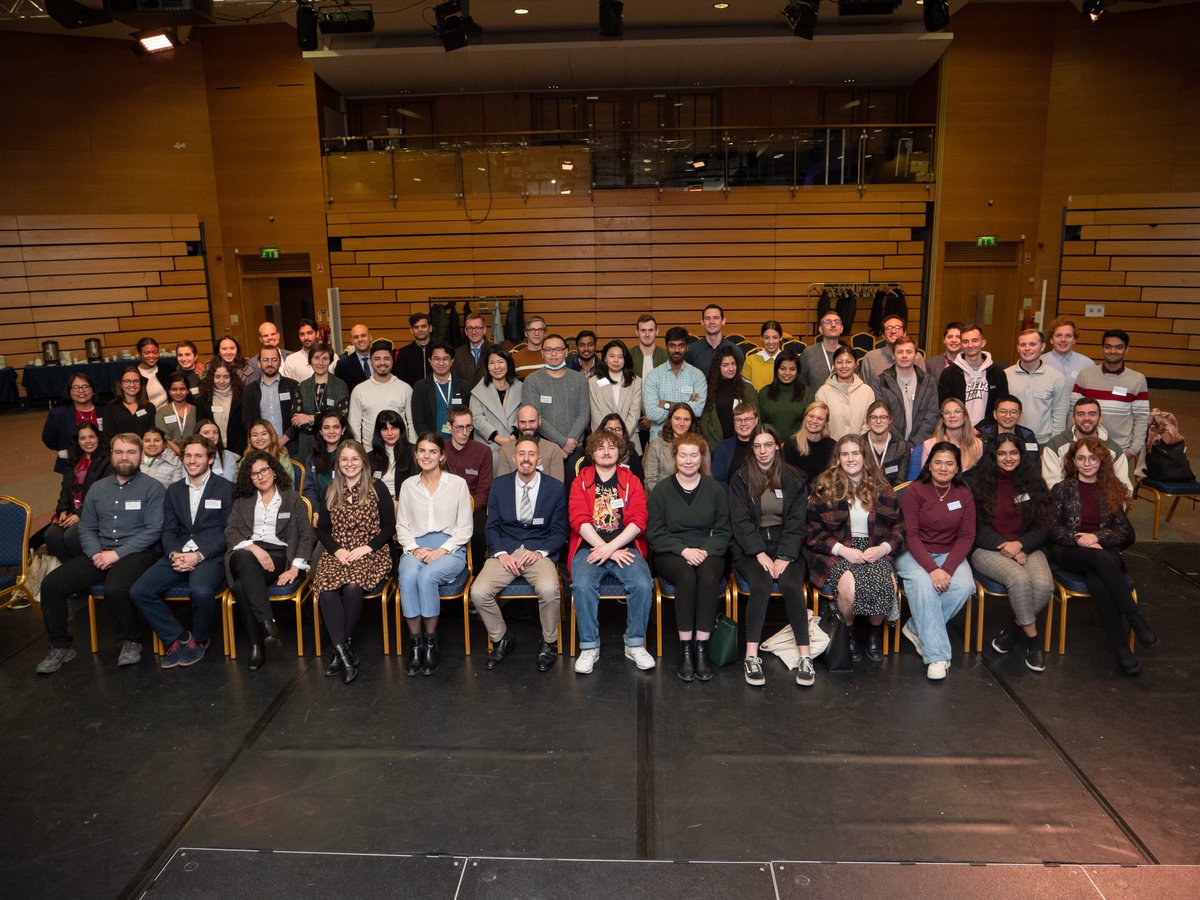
306,28
70,14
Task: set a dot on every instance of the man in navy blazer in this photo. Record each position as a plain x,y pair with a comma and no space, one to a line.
526,529
197,510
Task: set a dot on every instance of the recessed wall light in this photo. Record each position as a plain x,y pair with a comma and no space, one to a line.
521,11
720,6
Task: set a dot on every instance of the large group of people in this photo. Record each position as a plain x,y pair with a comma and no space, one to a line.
873,480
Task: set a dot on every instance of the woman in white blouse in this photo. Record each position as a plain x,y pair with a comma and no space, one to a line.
434,524
495,401
617,390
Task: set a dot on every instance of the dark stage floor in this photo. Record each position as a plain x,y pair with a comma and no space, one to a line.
219,782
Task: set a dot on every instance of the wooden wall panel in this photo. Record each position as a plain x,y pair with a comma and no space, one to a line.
77,293
599,263
1158,306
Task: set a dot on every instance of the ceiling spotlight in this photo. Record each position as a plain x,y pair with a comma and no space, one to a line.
454,23
1094,11
612,21
155,40
937,14
801,17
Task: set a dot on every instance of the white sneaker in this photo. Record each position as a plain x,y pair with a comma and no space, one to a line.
937,669
586,661
909,631
641,657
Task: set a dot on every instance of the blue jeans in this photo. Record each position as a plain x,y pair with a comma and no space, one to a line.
204,583
420,583
931,610
585,590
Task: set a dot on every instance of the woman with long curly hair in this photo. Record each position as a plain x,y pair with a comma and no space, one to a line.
220,399
270,542
1089,530
230,351
953,425
726,389
853,534
1013,511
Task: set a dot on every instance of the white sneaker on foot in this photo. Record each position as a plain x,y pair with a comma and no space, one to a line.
806,676
586,661
130,655
937,669
641,657
910,631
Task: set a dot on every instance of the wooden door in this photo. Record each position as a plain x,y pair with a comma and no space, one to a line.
986,295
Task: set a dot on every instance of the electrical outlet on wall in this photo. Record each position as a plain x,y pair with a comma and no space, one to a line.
1093,310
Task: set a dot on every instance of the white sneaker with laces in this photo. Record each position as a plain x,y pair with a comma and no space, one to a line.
586,661
806,676
641,658
910,631
937,669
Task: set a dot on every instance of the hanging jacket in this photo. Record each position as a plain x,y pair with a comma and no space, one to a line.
895,304
497,328
453,335
514,321
847,308
875,322
824,304
437,322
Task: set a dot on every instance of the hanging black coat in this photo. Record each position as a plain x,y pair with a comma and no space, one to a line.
514,320
847,308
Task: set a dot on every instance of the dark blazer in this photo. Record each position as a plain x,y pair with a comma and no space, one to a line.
337,397
745,513
829,524
58,433
119,420
101,466
252,399
549,530
291,527
387,521
235,436
349,370
1115,532
722,459
424,402
465,368
208,531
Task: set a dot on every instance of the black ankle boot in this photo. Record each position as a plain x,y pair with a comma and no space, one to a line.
350,652
687,661
349,670
433,655
1142,630
875,643
855,651
416,654
335,663
258,658
704,671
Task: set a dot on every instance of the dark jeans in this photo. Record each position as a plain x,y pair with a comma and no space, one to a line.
249,582
791,585
1104,573
696,589
341,610
77,576
203,583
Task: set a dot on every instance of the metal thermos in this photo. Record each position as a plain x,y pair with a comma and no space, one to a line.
94,350
50,353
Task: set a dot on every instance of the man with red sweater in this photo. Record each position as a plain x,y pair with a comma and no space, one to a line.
472,461
607,510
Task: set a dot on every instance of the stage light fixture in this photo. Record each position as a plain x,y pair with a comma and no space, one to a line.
454,24
801,17
937,14
612,18
155,40
1094,11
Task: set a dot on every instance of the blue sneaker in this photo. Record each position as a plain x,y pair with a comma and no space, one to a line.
191,652
171,658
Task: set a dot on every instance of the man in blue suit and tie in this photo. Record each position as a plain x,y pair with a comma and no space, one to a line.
197,510
526,529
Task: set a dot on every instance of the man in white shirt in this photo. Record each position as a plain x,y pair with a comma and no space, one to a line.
1062,355
296,366
381,391
1044,393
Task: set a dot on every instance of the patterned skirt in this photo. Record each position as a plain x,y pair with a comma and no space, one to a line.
354,525
874,583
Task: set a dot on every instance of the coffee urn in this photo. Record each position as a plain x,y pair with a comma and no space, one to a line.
50,353
94,350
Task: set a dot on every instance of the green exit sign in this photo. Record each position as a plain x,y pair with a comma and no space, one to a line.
985,240
273,252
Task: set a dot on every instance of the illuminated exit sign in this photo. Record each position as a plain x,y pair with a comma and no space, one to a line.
985,240
273,252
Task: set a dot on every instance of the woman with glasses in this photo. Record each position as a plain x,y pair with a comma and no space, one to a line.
62,424
768,515
891,453
954,426
131,412
270,542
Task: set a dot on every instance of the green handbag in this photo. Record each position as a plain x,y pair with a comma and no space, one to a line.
722,645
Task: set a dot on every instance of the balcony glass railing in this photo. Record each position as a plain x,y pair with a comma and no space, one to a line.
395,167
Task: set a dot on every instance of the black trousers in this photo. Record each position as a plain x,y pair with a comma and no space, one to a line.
1104,573
77,575
791,585
249,582
478,541
696,589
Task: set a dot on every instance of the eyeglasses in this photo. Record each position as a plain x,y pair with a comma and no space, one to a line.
554,349
831,321
129,381
879,418
82,387
535,329
767,446
259,473
463,428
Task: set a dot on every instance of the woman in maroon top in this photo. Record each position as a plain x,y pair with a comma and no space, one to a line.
1089,531
939,520
87,462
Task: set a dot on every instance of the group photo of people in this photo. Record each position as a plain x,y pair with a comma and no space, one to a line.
633,466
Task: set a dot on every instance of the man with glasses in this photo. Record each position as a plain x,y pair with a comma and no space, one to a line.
528,425
355,368
529,358
120,525
470,360
472,461
731,454
561,398
871,365
816,362
435,394
381,391
270,397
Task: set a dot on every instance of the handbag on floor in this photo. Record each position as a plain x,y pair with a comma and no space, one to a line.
837,654
722,645
783,642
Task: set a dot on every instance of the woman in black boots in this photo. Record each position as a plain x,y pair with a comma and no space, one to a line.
355,527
